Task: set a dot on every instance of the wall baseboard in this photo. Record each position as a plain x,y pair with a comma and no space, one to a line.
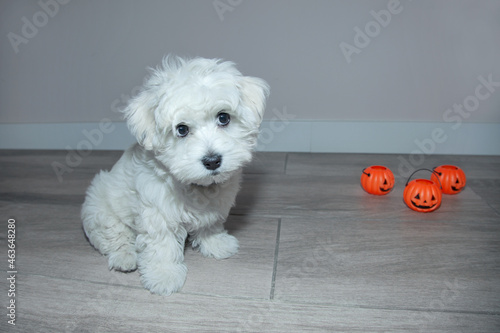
287,136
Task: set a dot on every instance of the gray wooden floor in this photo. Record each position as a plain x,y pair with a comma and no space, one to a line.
317,253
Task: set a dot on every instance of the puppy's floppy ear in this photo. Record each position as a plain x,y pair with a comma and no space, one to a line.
254,92
140,116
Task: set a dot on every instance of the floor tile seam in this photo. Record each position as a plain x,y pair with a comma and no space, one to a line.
279,301
37,195
378,219
285,168
356,176
89,282
101,283
492,208
384,308
296,214
32,202
323,217
485,201
275,262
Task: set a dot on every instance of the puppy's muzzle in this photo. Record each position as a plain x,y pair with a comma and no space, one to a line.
212,162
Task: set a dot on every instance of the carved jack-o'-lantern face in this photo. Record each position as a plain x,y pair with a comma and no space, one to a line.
422,195
377,180
452,178
424,199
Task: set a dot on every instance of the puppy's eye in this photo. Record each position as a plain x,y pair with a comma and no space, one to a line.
223,119
182,130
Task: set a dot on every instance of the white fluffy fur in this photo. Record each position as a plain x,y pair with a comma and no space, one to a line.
140,213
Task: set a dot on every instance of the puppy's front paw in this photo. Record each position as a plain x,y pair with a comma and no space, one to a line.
219,246
124,261
165,279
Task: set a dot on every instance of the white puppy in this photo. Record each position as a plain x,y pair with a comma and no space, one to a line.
196,122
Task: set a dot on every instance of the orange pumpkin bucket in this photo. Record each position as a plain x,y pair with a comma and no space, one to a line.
422,195
377,180
452,178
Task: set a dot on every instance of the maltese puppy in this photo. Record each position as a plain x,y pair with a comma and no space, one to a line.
196,122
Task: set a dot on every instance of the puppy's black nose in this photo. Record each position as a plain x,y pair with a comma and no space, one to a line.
212,162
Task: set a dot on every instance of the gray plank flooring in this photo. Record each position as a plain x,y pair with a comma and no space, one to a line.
317,253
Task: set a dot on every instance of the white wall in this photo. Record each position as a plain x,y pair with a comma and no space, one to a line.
425,67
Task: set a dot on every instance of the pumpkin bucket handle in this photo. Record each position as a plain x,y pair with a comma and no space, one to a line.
432,171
